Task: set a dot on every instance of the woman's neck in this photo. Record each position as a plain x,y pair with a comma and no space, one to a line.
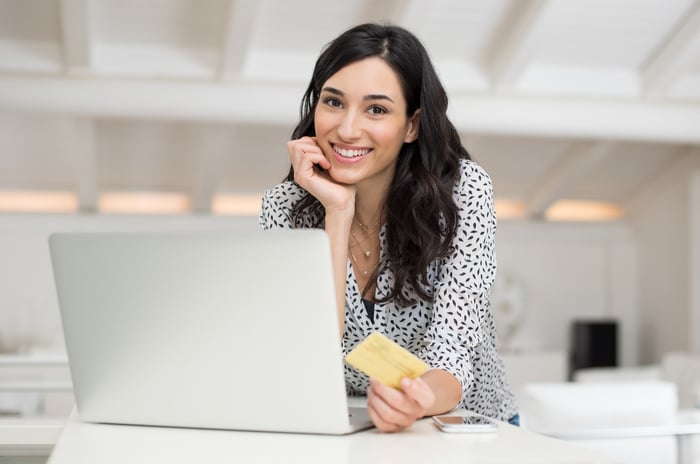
369,204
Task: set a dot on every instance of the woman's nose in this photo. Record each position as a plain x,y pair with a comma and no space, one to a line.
349,128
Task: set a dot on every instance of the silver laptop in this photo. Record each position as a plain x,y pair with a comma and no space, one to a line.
234,330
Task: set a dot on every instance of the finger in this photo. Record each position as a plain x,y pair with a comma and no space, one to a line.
310,152
418,391
396,399
379,422
307,143
394,410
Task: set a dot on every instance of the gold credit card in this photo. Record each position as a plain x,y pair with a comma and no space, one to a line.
384,360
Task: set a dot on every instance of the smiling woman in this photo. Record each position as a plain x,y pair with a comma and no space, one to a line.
362,131
410,217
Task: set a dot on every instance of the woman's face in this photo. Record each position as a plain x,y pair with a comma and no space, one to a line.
361,123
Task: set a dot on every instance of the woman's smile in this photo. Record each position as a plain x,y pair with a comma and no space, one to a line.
347,154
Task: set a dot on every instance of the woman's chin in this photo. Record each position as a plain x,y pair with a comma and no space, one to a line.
344,176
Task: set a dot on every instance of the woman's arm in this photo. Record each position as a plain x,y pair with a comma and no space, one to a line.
338,229
446,388
310,165
455,331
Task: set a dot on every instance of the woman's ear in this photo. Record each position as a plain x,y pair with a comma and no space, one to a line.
413,127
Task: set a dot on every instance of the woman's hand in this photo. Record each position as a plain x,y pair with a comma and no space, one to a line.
310,171
393,410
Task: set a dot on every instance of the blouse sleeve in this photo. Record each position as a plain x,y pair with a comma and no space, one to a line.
277,205
464,279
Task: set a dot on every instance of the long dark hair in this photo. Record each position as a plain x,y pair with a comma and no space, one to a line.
421,216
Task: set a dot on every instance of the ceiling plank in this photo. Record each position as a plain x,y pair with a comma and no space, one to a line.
80,145
675,56
580,160
683,161
75,31
515,42
238,33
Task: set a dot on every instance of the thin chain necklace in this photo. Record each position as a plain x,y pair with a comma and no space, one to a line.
365,227
366,253
364,272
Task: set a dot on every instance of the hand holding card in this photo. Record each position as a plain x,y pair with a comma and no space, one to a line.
386,361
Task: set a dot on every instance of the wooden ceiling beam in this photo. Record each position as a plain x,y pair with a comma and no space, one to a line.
514,42
277,104
76,34
212,147
238,33
675,56
574,167
80,149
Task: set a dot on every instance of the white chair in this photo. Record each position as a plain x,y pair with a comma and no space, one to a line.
680,368
604,416
683,369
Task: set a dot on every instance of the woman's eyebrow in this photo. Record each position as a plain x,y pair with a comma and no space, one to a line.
340,93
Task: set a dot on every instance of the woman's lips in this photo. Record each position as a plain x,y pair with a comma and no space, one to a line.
349,154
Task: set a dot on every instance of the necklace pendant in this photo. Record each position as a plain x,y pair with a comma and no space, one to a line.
367,253
364,273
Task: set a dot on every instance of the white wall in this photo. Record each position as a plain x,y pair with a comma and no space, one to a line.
567,271
572,271
665,226
694,271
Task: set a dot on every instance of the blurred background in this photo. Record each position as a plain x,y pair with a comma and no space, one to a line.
174,114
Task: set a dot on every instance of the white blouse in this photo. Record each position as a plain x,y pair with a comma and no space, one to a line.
455,331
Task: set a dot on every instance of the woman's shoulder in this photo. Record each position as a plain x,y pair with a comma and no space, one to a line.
278,203
473,177
286,192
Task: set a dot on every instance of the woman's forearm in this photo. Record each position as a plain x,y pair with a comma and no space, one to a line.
447,390
338,230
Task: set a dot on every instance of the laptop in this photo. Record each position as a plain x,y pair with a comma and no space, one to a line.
234,330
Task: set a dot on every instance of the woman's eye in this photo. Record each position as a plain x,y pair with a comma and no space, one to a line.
332,102
377,110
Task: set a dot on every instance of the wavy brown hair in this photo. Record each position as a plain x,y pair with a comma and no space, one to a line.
420,213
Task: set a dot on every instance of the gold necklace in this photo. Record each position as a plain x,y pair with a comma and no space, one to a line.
365,227
364,272
367,253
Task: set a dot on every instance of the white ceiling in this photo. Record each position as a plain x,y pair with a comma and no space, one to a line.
558,99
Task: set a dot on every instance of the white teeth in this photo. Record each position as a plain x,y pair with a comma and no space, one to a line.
351,153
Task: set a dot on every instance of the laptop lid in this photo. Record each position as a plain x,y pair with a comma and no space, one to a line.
234,330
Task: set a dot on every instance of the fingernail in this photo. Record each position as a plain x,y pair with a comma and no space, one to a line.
405,383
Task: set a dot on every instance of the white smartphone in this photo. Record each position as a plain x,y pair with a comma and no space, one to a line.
453,423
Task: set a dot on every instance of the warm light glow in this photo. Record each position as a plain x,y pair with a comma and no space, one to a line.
237,204
574,210
509,209
144,203
29,201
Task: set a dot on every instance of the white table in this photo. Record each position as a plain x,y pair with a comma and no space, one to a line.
86,443
32,436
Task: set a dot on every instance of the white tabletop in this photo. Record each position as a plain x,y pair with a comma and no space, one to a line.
32,436
85,443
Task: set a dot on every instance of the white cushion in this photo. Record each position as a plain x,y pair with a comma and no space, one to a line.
561,407
573,405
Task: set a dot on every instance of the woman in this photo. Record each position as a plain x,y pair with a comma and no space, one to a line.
376,162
